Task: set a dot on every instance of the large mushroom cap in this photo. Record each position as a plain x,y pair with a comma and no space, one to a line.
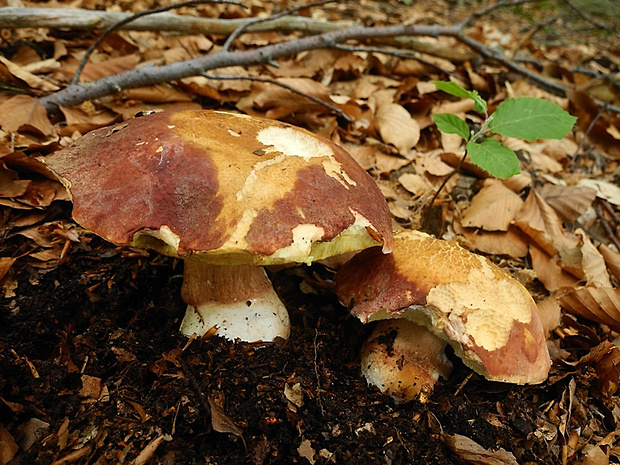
222,187
487,316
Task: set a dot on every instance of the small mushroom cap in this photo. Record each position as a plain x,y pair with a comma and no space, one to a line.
487,316
227,188
404,359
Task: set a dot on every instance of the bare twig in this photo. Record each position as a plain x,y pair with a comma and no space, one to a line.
586,17
134,17
244,27
17,17
284,86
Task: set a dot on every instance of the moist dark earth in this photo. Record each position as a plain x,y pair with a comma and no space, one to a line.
109,318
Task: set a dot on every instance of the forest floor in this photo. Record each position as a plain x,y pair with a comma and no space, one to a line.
93,369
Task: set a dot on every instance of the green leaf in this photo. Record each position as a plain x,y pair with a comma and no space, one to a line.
530,119
453,88
492,156
451,124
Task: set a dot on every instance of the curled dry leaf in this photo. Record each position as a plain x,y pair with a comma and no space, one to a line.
472,452
570,202
493,208
597,304
26,114
539,221
604,190
30,79
511,242
612,259
397,127
593,263
549,272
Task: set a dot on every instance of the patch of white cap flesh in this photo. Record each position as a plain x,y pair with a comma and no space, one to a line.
468,311
237,241
294,143
304,235
259,319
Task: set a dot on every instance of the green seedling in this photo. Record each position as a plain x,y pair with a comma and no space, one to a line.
525,118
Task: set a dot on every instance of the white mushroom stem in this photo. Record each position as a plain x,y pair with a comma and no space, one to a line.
239,301
404,359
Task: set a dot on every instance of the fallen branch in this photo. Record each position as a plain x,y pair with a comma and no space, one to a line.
55,18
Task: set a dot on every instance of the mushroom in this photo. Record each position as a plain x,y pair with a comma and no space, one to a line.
404,359
487,316
227,193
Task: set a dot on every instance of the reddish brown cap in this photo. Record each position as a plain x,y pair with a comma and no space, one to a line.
227,187
487,316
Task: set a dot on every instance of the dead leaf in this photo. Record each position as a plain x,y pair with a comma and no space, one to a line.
612,259
25,113
8,446
570,202
397,127
493,208
32,80
306,451
550,313
539,221
596,304
592,263
415,183
472,452
549,272
511,242
604,190
221,422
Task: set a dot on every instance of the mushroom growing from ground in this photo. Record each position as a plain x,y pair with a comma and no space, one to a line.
486,315
227,193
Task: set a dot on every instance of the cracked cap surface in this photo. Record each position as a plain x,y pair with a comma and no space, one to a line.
485,314
223,187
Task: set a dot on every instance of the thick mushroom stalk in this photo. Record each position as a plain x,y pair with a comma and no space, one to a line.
488,317
238,301
404,359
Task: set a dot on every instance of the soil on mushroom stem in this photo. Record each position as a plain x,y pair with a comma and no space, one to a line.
94,344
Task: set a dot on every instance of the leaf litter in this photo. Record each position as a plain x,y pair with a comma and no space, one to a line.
92,367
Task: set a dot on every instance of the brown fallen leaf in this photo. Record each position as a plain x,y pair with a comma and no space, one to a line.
549,272
25,113
397,127
570,202
550,313
472,452
493,208
8,446
221,422
592,263
539,221
612,259
512,242
597,304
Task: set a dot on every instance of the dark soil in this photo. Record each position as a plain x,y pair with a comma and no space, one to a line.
115,318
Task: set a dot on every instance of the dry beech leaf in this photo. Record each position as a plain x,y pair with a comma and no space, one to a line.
415,183
549,272
518,182
608,373
388,163
596,304
511,242
570,202
25,113
493,208
397,127
8,446
472,452
32,80
612,259
432,164
539,221
221,422
550,313
604,190
593,263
